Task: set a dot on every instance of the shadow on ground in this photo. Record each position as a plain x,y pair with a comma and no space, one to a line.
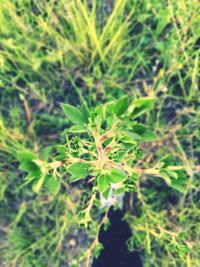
115,253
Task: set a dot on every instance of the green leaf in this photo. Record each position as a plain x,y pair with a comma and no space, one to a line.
138,128
107,141
61,149
78,129
53,184
26,155
128,139
78,171
121,106
103,182
39,163
116,176
26,158
180,184
180,181
110,106
33,175
42,165
165,176
164,19
97,250
98,114
165,161
175,179
38,184
28,166
106,192
46,152
149,136
172,174
143,133
73,114
85,113
99,110
140,106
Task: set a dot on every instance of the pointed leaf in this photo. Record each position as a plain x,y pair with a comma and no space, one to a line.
180,184
140,106
78,129
85,113
121,106
144,133
165,176
26,155
116,176
103,182
106,192
78,171
38,184
26,159
53,184
73,114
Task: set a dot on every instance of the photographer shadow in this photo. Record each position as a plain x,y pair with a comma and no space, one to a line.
115,252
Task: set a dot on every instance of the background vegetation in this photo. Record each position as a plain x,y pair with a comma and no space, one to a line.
97,51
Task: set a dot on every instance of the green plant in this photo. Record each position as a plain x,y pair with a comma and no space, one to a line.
103,150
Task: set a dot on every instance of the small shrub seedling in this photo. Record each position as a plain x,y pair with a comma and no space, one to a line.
103,149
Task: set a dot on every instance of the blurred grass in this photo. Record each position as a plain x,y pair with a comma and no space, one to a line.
63,51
